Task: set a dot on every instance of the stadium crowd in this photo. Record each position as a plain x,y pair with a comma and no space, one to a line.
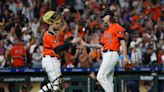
21,30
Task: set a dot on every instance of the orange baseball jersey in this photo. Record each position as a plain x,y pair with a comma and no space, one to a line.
18,52
111,36
50,42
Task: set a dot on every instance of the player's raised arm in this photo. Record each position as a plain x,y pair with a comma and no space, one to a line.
51,46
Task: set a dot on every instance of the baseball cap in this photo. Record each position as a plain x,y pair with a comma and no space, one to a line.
107,12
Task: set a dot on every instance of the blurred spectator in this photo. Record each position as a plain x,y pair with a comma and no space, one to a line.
2,61
43,8
18,54
2,89
134,56
142,20
132,86
161,86
33,44
34,25
146,57
163,58
153,57
11,36
95,53
26,36
37,57
70,57
85,59
26,87
79,5
28,9
13,87
12,6
96,57
121,57
2,48
160,54
2,54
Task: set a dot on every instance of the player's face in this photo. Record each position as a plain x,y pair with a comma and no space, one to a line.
106,18
57,24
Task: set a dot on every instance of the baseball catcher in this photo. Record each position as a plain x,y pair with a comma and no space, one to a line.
51,45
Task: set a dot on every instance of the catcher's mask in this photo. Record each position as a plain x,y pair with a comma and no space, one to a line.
51,17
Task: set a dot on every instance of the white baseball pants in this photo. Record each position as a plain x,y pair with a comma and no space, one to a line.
52,66
106,70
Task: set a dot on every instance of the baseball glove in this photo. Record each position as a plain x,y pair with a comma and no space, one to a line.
128,66
69,39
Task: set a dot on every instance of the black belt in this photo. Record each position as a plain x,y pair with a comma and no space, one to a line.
52,56
108,50
48,56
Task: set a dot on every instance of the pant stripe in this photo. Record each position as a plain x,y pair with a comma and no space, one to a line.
105,71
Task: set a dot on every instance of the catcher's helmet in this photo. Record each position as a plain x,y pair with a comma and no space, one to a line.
50,17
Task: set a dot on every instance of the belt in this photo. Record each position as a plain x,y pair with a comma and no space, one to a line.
108,51
51,56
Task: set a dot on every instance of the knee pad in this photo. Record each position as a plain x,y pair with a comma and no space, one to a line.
58,84
61,83
58,80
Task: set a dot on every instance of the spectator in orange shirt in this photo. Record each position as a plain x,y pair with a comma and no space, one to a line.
160,57
156,12
18,54
70,57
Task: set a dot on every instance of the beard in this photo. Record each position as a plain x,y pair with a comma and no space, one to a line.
105,24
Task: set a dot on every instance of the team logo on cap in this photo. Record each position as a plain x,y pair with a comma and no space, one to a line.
119,32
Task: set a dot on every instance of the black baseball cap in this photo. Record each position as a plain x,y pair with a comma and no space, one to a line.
107,12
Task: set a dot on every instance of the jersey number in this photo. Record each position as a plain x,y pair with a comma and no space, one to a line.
109,37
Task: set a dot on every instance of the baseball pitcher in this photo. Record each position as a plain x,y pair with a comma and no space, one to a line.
110,42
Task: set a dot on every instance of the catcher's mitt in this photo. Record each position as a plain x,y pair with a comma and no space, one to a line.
128,66
69,39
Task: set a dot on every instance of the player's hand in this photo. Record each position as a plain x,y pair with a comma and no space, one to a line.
75,40
83,43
